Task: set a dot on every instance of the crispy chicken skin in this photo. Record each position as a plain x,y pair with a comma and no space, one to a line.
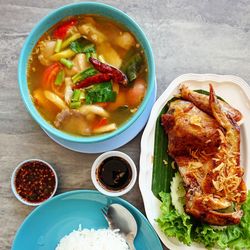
192,128
206,148
202,102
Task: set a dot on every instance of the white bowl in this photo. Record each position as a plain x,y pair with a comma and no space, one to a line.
97,163
13,186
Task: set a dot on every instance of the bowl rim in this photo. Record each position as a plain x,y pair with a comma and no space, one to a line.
13,186
22,79
100,159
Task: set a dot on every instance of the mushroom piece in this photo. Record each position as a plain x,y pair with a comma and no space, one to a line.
97,110
79,121
92,33
55,99
46,49
72,121
68,92
125,40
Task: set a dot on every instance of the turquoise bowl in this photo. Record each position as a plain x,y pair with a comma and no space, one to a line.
130,128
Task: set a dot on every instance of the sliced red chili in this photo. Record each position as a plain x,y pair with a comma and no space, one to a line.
61,31
93,80
117,75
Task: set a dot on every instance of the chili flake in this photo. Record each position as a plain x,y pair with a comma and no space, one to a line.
35,181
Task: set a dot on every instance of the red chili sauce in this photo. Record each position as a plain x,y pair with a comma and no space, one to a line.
35,181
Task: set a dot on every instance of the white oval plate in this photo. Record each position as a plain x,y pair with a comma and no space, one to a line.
236,92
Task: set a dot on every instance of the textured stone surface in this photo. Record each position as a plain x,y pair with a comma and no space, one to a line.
186,36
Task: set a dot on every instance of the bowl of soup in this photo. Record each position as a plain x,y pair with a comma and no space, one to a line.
87,76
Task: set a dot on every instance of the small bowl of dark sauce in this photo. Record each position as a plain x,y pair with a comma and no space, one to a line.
114,173
33,182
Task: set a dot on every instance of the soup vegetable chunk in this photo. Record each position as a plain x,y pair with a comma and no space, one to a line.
87,75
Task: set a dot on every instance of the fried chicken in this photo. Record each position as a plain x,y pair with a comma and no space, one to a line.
204,140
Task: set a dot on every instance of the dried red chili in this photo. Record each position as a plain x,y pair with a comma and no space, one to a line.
35,181
93,80
117,75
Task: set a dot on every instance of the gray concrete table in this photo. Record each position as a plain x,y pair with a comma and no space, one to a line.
186,36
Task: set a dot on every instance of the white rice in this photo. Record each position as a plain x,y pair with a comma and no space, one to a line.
90,239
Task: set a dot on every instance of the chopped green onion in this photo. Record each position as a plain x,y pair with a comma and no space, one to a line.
62,54
66,62
59,78
75,105
76,99
58,45
76,95
71,39
82,96
83,75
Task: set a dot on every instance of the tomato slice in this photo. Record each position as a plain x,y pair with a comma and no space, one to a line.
102,122
61,31
50,73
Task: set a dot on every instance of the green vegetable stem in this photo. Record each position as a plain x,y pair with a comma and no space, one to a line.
59,78
66,62
83,75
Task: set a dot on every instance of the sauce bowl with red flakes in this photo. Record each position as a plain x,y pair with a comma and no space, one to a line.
34,181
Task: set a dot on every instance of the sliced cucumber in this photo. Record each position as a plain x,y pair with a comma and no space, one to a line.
178,193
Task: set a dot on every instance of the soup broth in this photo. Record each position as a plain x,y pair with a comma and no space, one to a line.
87,75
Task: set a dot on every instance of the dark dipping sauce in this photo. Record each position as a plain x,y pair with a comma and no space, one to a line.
35,181
114,173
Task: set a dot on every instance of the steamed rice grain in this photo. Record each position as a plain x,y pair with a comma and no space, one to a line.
90,239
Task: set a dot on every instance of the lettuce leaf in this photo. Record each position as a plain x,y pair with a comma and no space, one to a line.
182,226
172,223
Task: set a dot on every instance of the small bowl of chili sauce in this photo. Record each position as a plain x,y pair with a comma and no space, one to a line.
33,182
113,173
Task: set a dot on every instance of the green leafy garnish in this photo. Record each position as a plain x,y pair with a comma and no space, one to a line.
102,92
187,230
133,66
172,223
83,75
82,45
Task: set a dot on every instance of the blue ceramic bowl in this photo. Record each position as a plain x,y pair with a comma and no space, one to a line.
138,120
